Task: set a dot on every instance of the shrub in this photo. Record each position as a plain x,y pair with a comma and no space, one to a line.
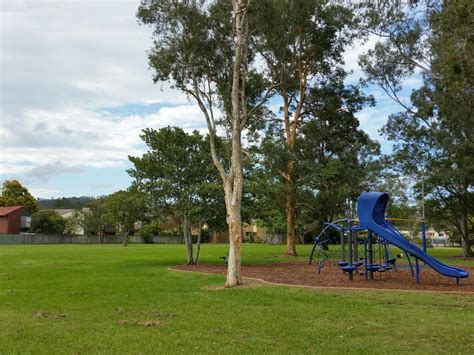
47,222
148,231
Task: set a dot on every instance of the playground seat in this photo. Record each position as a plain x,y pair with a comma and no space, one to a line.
348,268
343,263
357,263
392,261
374,267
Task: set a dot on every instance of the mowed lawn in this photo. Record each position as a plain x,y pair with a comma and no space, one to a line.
112,299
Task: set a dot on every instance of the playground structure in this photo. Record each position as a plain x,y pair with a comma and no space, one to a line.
372,231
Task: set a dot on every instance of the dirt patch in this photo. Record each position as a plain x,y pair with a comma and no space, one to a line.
145,323
331,276
247,282
44,314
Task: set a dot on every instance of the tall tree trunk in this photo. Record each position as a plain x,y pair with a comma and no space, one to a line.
188,241
198,244
233,196
125,238
235,244
233,178
465,241
233,183
290,214
290,132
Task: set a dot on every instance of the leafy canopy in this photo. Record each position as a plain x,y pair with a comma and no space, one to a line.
15,194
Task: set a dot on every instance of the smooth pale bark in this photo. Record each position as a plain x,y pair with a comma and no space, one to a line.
234,220
232,178
233,181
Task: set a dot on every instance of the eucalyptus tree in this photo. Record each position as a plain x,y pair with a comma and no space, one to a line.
433,133
177,175
334,160
202,48
302,43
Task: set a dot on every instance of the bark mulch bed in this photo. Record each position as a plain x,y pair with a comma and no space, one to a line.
302,274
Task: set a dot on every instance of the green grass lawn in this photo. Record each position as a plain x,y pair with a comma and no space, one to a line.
99,299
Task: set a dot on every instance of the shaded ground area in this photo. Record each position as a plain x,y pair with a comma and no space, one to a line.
332,276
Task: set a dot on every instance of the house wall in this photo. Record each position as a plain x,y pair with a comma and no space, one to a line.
4,224
12,223
258,233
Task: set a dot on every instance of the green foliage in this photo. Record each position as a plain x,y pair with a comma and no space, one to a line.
94,219
123,209
179,178
328,171
73,223
14,194
147,231
313,138
300,38
47,222
178,175
66,202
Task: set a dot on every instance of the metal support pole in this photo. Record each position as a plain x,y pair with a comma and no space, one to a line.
343,257
349,251
371,257
366,259
356,247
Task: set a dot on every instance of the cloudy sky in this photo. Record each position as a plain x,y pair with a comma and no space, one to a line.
76,92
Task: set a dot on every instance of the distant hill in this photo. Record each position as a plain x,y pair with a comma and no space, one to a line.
66,202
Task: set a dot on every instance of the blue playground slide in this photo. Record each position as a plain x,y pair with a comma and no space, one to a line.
371,212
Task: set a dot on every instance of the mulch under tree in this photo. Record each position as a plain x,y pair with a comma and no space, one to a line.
302,274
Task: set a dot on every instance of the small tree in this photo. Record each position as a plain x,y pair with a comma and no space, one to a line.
15,194
47,222
123,210
93,219
178,176
73,223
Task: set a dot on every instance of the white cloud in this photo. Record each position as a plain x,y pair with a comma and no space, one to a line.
75,54
352,53
62,63
44,172
53,142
